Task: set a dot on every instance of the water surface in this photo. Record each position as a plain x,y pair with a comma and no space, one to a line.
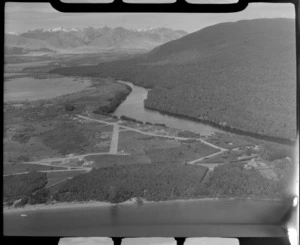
133,107
228,215
29,88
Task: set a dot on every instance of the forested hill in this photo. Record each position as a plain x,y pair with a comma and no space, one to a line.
240,74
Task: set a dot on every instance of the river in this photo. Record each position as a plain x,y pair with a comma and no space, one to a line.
133,107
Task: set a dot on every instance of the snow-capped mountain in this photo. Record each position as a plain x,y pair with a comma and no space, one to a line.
105,38
61,29
13,33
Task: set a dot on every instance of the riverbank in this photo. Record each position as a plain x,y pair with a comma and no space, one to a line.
133,201
217,125
225,128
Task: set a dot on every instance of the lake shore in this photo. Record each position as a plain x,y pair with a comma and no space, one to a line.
133,201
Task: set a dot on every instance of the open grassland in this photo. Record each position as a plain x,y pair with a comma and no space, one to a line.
149,127
228,141
183,153
136,143
15,152
162,150
66,139
224,157
104,161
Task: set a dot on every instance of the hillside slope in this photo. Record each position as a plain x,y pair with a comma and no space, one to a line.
240,75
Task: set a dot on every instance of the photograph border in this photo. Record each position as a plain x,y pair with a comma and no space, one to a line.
180,6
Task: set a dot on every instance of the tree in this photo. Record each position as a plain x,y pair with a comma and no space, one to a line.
69,107
40,196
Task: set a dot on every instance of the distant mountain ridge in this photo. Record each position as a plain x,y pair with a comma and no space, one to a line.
105,38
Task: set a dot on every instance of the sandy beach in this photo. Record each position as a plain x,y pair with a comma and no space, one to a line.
64,205
92,204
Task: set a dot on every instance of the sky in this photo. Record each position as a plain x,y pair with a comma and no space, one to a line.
21,17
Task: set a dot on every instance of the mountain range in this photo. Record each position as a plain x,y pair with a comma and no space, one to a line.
90,38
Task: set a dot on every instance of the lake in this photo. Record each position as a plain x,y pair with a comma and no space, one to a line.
211,217
28,88
133,107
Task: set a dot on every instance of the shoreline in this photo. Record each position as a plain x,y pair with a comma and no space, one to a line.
208,122
132,201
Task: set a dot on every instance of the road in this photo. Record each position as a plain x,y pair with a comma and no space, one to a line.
208,156
114,140
57,183
152,134
114,147
54,159
53,171
117,128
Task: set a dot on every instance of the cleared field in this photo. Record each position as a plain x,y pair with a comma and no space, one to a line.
25,167
136,143
76,137
34,149
188,134
66,139
226,157
183,153
162,150
228,141
104,161
150,128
